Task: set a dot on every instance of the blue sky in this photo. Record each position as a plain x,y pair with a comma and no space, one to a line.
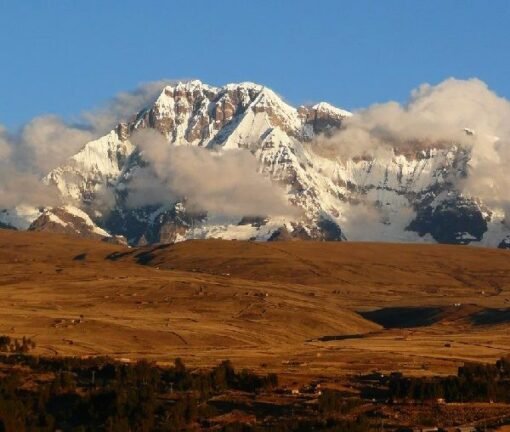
64,57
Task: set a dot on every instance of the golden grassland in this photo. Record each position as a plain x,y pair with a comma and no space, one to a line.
296,308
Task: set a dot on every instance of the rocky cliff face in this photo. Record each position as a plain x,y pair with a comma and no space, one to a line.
405,195
68,220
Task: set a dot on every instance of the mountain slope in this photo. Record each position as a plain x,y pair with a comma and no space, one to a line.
402,195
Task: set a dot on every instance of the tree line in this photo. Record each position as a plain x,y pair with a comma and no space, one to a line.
99,394
474,382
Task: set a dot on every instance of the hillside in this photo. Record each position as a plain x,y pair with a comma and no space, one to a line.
289,305
416,272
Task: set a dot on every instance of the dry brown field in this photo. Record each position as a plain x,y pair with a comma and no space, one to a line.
302,309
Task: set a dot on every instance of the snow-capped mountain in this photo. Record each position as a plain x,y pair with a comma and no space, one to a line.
404,195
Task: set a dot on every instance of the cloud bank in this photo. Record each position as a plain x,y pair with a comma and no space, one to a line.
455,112
47,141
226,183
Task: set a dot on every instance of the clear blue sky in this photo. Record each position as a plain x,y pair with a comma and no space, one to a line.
67,56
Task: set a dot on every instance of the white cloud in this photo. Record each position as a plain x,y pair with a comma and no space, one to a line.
438,115
47,141
226,183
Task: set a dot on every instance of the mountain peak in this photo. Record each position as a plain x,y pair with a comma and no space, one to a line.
328,108
402,198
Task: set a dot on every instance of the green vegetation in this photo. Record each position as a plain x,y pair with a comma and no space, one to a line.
8,344
473,383
100,394
332,401
70,394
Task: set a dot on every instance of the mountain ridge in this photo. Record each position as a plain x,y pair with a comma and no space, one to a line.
406,194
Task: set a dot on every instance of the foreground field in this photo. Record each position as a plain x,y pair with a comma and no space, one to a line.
301,309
